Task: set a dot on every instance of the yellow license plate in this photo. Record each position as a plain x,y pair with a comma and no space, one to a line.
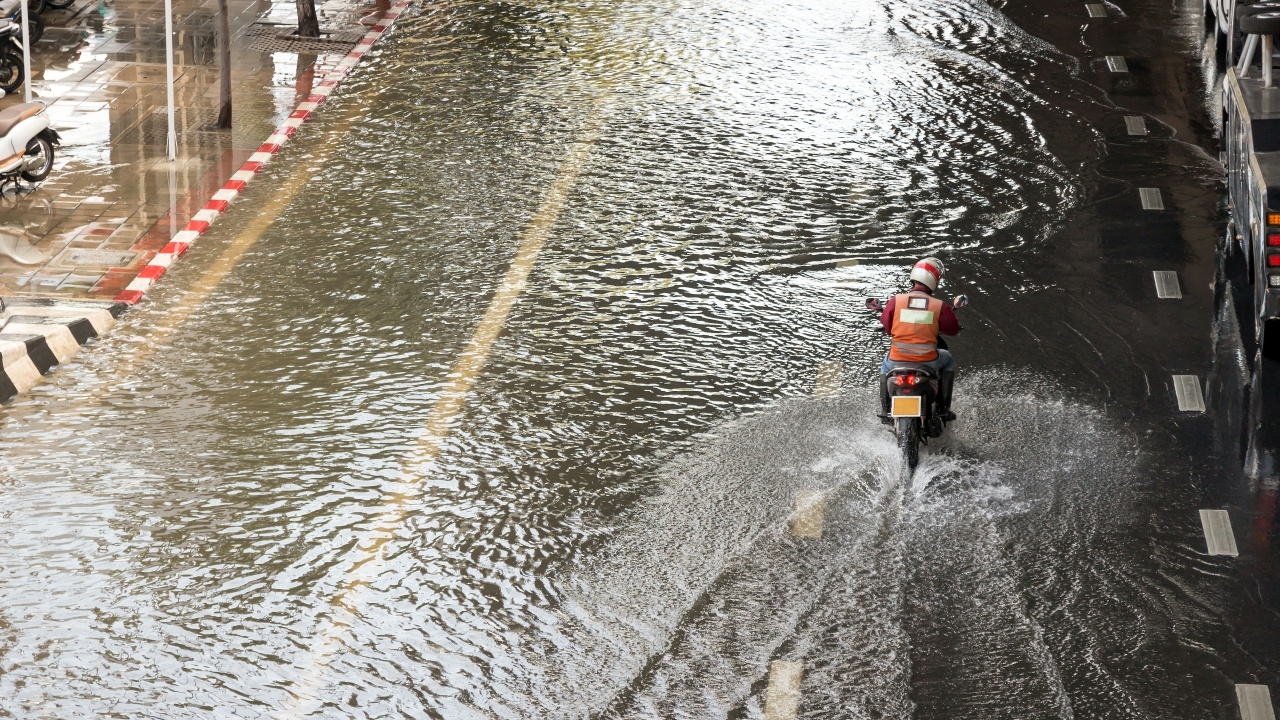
907,406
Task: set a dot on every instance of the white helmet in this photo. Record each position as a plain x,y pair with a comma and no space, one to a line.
928,272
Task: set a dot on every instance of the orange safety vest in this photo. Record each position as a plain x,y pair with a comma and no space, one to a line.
915,328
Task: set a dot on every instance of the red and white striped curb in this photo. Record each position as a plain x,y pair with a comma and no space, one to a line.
221,200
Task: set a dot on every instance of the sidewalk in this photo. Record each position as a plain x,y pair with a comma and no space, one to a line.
114,212
113,200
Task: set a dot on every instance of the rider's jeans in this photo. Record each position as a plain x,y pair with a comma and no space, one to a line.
944,363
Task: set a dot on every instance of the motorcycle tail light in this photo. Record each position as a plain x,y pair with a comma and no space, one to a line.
1273,261
905,380
1273,240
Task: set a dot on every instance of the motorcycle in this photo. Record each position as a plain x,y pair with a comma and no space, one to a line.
11,10
12,72
913,393
27,140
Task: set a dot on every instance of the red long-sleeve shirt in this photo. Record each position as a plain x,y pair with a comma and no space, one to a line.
947,322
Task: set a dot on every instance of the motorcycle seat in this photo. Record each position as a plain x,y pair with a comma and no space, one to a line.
11,116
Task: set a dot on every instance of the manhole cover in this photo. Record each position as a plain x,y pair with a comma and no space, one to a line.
96,258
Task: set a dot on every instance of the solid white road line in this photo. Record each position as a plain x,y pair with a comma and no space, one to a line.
1135,124
829,378
1217,532
782,699
1116,64
807,517
1255,702
1187,388
1167,286
1151,199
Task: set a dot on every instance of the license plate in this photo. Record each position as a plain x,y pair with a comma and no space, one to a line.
907,406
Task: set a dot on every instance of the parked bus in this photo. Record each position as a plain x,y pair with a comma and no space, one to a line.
1251,144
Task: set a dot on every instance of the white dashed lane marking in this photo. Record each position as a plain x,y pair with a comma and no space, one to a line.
1135,124
1255,702
1116,64
782,699
1151,199
1217,532
1096,10
1167,286
1187,388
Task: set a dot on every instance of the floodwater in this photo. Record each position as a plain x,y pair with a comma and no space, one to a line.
506,413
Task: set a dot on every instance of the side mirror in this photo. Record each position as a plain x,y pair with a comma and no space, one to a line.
960,301
875,304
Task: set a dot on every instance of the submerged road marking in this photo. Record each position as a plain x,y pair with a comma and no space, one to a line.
1135,124
808,514
847,263
1187,388
1217,532
1116,64
782,699
1167,286
461,379
1255,702
829,379
1151,199
1096,10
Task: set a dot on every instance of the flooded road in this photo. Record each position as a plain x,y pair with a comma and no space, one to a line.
502,407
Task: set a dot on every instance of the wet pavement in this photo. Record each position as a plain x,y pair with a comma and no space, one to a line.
559,404
114,199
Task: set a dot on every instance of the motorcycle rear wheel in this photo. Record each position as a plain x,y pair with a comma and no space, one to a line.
42,147
60,4
11,74
909,441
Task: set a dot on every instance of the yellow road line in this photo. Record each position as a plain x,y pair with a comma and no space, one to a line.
782,698
461,379
807,518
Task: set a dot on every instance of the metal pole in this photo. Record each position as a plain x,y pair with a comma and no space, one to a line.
168,62
26,52
1266,61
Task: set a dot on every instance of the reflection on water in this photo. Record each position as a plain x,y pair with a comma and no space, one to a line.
604,531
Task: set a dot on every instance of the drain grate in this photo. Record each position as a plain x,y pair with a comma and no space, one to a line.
283,39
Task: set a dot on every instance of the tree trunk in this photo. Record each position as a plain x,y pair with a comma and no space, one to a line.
308,23
224,52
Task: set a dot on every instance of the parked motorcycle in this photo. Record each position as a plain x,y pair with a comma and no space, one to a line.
27,140
913,393
11,10
12,70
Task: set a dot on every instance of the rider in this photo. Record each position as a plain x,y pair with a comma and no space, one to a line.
914,320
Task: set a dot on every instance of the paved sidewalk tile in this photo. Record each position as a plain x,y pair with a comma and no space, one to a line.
113,200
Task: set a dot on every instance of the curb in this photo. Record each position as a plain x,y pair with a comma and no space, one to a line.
221,200
38,333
